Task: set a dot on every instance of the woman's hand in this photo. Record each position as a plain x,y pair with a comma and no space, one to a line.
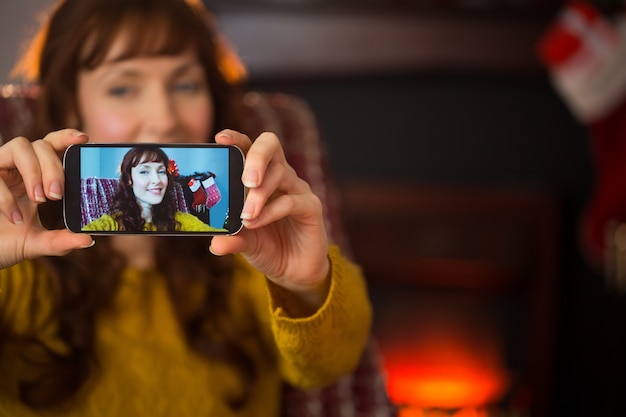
284,235
31,173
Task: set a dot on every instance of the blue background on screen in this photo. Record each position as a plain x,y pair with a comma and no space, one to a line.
105,163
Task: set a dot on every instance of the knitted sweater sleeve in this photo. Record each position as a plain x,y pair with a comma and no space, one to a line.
318,349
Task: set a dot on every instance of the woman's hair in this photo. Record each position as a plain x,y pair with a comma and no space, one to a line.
125,208
84,283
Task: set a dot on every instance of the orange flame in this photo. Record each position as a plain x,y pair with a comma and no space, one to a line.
446,388
443,375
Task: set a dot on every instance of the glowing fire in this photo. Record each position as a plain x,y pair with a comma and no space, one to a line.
445,388
444,374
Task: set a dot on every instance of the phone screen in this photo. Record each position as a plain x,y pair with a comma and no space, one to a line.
162,189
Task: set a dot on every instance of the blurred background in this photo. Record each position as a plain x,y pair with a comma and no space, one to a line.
463,175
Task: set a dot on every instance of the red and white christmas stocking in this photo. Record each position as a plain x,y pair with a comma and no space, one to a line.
213,195
585,52
199,195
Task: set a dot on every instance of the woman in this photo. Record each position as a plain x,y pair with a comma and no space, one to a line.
144,200
138,325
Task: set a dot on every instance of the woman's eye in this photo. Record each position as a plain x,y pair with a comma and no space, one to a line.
162,172
187,86
120,91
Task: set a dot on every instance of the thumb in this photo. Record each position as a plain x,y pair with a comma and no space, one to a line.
224,245
57,243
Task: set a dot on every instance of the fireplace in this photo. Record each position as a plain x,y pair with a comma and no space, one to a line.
463,284
449,350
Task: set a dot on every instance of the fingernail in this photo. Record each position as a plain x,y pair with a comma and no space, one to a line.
17,218
250,178
249,223
248,210
225,134
79,133
39,194
93,242
212,252
56,191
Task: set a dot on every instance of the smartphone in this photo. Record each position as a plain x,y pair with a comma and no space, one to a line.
155,189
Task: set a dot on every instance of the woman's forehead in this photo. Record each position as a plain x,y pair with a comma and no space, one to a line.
125,46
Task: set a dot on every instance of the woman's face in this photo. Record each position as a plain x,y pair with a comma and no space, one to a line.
149,182
158,99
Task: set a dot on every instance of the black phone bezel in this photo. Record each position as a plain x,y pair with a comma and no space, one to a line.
72,196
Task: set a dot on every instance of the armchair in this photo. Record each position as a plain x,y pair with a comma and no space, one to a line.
360,394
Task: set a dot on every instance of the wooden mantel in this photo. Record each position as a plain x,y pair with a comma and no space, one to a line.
287,43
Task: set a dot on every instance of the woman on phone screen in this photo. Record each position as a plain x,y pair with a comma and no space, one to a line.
144,200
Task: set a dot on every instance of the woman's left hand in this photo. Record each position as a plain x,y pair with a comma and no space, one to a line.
284,235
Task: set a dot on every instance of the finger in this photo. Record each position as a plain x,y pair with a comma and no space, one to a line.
52,173
225,245
18,154
257,197
232,137
8,205
56,243
265,149
61,139
305,208
52,168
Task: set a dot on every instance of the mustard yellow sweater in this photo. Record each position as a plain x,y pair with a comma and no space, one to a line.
186,222
146,367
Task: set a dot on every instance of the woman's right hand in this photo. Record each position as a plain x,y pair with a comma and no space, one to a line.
30,173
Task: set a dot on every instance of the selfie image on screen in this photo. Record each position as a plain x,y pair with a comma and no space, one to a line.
148,188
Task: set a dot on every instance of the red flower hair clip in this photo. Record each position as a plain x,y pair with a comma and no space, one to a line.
172,168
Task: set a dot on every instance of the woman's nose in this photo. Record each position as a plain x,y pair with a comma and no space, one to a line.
161,119
155,178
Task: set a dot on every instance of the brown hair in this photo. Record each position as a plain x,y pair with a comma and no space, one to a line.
76,37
